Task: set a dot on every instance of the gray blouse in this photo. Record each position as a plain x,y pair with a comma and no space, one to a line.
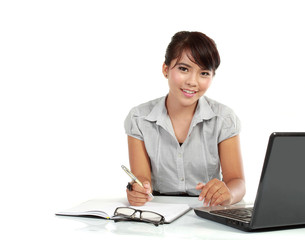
177,169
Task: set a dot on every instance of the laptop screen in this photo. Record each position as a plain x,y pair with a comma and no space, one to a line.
281,192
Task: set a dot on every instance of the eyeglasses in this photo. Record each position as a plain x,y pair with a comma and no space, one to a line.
145,216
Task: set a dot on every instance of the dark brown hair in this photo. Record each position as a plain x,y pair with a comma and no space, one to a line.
202,49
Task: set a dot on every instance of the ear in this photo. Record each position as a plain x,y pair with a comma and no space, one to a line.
165,70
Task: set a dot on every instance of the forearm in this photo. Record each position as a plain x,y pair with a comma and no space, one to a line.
139,160
237,189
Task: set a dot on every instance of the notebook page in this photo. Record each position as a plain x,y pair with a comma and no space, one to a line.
169,211
95,207
105,209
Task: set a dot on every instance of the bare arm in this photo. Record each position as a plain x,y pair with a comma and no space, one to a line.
232,189
232,168
140,167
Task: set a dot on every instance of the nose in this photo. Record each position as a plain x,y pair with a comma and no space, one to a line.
192,80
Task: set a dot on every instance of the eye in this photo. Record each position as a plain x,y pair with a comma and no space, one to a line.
205,74
183,69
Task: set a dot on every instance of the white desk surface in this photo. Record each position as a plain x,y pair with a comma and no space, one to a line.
45,225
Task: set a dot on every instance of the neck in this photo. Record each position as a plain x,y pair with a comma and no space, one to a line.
175,109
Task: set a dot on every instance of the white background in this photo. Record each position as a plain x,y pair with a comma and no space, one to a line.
70,71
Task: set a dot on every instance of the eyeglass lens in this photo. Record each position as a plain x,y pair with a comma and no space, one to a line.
145,215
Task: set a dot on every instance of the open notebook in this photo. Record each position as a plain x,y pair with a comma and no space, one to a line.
103,209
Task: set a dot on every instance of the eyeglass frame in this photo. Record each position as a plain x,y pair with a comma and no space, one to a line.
132,216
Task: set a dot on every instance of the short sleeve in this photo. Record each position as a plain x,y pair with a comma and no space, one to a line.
131,125
230,127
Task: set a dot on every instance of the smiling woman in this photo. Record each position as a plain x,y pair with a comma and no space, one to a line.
187,81
186,143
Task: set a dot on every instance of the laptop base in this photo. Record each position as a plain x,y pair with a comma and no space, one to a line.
240,225
229,222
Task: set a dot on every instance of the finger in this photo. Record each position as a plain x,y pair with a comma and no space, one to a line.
199,186
137,188
223,199
222,196
133,203
216,190
206,189
215,199
137,197
134,199
209,195
147,187
214,186
136,194
203,192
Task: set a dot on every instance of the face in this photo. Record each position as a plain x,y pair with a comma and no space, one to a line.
187,81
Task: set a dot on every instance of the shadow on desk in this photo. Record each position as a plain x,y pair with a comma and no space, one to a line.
121,228
189,226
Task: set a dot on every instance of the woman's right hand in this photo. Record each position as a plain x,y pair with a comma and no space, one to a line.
139,195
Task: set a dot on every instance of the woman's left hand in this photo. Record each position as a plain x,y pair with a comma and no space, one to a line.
214,192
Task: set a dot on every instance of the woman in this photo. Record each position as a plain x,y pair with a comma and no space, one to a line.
186,143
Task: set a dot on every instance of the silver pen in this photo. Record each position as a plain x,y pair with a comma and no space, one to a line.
134,178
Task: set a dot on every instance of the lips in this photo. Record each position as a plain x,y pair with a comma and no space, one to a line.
188,93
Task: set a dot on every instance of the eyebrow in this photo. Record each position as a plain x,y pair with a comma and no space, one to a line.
189,66
184,64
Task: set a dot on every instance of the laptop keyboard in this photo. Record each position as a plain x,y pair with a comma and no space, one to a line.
241,214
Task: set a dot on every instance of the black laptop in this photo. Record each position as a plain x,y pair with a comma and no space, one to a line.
280,198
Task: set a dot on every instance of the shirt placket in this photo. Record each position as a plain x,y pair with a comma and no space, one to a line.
180,167
180,160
